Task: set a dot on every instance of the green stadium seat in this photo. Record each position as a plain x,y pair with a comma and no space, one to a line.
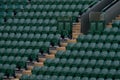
32,77
103,72
106,46
69,78
91,46
93,26
107,31
61,77
76,78
77,46
102,38
81,38
100,26
117,38
1,76
24,77
46,77
116,23
100,78
11,70
50,70
99,63
62,62
111,73
76,63
72,71
57,71
65,71
110,38
80,71
39,77
72,55
114,47
70,46
95,72
117,74
45,47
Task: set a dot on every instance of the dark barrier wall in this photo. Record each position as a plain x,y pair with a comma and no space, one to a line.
85,17
112,12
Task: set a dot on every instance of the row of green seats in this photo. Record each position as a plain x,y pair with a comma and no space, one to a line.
47,1
116,23
93,63
12,7
62,2
43,46
59,7
97,26
99,38
54,77
94,46
24,44
8,70
88,54
32,54
2,21
77,72
47,7
20,62
13,1
114,31
29,29
1,76
6,14
42,38
30,22
45,14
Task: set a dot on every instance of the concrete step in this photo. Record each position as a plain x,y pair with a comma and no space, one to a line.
18,75
38,64
74,31
53,51
61,48
42,59
72,41
109,25
117,18
49,56
77,23
28,72
76,28
63,44
75,35
15,79
30,67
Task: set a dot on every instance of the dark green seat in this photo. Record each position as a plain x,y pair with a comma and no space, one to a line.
95,72
24,77
50,70
45,47
23,63
11,70
93,27
32,77
72,71
57,71
70,46
1,76
103,72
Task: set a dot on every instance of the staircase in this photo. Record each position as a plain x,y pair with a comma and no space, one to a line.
109,25
76,30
